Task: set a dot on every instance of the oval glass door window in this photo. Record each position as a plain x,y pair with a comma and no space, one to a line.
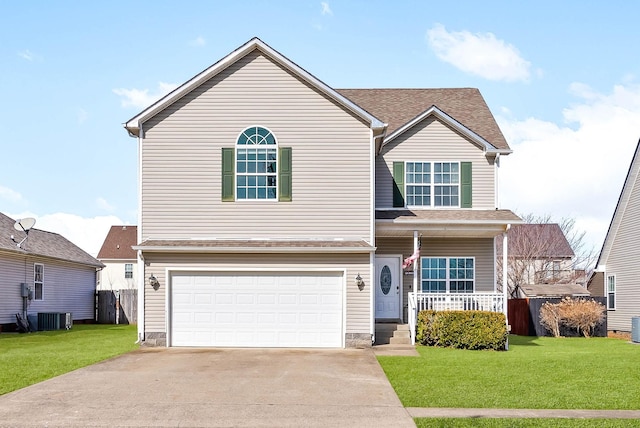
385,280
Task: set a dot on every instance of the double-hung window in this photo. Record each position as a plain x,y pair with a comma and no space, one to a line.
433,184
611,292
38,281
256,164
256,169
128,270
447,274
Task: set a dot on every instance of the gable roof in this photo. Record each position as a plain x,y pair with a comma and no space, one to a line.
543,241
401,107
554,290
623,200
134,124
119,242
42,243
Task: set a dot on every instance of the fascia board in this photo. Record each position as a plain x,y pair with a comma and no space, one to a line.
435,111
133,124
276,250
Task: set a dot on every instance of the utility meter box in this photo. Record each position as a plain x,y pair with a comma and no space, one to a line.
25,291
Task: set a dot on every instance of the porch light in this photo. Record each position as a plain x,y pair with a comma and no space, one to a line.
153,281
359,282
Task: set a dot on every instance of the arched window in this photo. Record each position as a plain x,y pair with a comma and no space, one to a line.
256,164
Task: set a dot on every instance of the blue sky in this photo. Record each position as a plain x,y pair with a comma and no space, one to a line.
562,79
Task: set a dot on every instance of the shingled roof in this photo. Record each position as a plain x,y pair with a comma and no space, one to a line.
42,243
547,240
397,107
118,243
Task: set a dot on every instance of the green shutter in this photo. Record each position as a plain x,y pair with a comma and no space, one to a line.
284,174
228,174
465,185
398,184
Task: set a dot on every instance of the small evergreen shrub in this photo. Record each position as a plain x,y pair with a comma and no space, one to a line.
462,329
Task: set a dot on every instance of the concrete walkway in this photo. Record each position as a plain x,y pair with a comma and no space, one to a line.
444,412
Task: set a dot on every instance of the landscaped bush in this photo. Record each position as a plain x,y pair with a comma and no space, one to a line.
462,329
581,314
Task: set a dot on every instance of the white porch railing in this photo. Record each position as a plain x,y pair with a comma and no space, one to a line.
419,301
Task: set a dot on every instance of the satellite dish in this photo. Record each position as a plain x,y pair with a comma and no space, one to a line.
25,224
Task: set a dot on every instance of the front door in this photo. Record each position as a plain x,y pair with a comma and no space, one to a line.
388,287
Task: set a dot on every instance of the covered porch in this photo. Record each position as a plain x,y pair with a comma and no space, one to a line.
448,258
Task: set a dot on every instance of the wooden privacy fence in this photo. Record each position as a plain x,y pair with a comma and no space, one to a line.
117,307
524,318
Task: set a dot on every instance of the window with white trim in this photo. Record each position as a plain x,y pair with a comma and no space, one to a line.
128,270
611,292
433,184
447,274
256,164
38,281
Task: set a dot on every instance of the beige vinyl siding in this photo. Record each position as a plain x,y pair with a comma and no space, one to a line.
479,248
432,140
623,262
357,302
67,287
181,160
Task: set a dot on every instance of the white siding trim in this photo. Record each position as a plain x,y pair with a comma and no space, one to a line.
134,124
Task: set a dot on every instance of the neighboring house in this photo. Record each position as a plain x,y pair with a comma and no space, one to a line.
617,275
120,260
277,211
60,276
538,254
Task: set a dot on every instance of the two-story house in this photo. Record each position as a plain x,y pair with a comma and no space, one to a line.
617,273
119,258
277,211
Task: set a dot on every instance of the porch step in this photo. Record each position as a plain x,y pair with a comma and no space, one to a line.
392,333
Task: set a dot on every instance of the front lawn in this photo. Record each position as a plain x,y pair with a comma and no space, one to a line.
523,423
536,373
30,358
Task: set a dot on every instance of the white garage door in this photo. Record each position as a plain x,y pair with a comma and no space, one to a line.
256,310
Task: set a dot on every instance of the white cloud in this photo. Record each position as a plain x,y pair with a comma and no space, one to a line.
326,10
10,195
86,233
26,54
198,41
573,171
104,205
141,98
481,54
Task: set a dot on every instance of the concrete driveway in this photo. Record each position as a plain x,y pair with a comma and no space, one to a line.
214,388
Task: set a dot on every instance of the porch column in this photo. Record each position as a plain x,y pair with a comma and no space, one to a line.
505,269
415,262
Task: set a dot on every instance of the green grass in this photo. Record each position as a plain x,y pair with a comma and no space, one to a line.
30,358
524,423
536,373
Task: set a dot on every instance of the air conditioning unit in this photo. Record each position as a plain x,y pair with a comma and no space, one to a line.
54,321
635,329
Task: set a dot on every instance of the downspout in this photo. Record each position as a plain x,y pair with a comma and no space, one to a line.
140,257
375,140
497,179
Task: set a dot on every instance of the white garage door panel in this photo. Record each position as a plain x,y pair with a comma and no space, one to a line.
251,310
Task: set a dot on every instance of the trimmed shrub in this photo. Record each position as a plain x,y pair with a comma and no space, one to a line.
462,329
